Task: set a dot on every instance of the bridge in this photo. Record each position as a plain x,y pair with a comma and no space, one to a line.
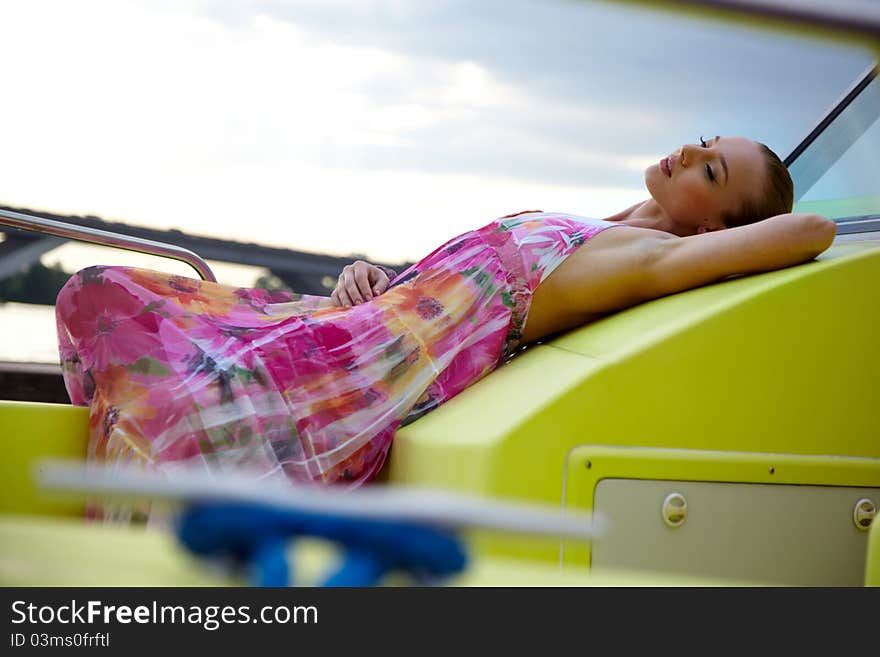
302,271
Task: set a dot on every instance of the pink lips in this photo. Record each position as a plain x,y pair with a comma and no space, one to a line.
666,165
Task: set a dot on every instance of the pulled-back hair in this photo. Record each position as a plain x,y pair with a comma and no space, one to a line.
777,196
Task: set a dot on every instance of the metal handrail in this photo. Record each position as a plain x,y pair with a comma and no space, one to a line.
106,238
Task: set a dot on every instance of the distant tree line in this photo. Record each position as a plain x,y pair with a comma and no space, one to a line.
40,284
36,284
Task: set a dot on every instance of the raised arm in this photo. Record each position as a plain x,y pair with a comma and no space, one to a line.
683,263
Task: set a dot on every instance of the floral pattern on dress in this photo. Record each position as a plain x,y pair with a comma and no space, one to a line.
182,371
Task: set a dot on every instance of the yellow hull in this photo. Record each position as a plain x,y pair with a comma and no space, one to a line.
755,400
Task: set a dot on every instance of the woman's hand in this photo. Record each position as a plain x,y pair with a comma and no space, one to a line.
359,282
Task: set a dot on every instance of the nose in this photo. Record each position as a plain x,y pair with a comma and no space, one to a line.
690,153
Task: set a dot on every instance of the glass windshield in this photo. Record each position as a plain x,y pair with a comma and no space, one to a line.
838,174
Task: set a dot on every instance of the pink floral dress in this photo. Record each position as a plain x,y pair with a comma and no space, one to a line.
180,371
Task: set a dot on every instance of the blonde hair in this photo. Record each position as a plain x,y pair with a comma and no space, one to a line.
777,197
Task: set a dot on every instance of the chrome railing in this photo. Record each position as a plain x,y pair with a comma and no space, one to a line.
105,238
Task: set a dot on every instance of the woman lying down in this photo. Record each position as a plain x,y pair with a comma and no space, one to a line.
185,372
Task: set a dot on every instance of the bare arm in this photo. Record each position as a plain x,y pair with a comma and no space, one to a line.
683,263
629,265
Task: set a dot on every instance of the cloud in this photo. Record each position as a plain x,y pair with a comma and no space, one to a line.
687,74
338,126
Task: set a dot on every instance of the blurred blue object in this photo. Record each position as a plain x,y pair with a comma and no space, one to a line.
259,536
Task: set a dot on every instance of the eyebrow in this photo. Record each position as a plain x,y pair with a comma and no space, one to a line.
723,162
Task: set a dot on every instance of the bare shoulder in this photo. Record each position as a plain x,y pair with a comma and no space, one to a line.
601,276
614,251
629,235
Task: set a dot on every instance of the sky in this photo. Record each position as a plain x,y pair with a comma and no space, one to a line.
379,128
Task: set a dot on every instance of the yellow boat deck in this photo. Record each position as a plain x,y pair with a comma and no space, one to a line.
755,401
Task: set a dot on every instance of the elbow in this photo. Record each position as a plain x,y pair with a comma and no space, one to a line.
822,230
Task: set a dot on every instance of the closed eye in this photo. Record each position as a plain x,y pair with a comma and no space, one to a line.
710,173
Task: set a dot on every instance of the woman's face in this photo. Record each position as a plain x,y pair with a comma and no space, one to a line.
699,183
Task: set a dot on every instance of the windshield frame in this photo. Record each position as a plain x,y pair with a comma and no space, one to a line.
807,164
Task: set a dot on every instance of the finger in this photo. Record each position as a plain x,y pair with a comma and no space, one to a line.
336,298
362,281
352,289
381,283
344,299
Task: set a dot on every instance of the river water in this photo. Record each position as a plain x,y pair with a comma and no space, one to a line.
27,333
